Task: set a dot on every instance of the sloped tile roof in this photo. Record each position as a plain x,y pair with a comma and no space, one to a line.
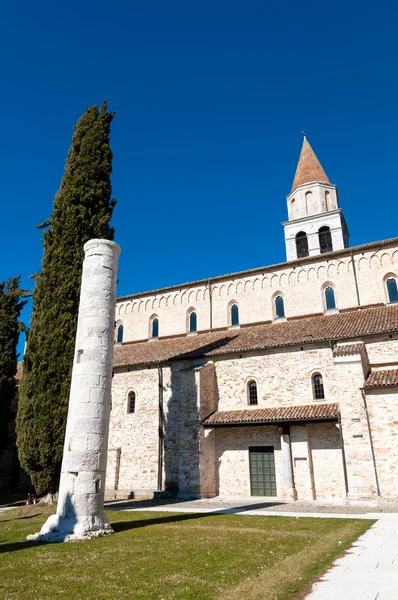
382,378
348,349
309,168
317,328
285,414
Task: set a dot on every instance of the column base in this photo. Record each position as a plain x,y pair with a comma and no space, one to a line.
67,529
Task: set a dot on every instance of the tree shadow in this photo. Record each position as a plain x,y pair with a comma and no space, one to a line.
16,546
202,351
21,518
127,525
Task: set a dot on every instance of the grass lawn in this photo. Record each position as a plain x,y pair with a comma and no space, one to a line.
164,556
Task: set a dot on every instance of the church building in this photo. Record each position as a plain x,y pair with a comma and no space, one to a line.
279,381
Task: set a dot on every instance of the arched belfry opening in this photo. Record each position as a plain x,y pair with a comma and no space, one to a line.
325,240
302,244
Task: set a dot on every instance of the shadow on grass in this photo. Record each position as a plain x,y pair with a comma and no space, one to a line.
15,546
126,525
127,504
21,518
120,526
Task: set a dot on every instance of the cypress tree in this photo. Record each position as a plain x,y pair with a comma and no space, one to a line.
11,304
82,210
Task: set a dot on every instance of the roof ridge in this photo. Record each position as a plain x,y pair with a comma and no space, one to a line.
298,261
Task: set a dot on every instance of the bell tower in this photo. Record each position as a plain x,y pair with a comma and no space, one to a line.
316,222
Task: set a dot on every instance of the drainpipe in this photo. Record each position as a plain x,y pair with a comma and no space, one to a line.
211,304
343,452
370,440
354,270
160,430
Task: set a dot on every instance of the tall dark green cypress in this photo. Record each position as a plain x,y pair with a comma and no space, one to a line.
11,304
82,210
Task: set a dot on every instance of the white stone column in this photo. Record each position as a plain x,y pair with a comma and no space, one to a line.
80,511
288,481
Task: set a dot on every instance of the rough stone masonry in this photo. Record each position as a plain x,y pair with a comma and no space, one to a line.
80,511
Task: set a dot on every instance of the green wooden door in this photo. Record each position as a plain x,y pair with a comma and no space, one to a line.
262,471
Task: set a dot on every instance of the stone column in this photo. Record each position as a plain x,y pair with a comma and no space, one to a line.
80,511
288,481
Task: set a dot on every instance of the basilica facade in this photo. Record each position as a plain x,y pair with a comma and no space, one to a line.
279,381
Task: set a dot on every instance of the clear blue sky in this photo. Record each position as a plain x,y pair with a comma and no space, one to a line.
210,101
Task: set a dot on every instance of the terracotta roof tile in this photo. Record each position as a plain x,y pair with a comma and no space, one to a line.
382,378
320,328
348,349
285,414
309,168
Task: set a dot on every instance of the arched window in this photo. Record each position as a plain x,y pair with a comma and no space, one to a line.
301,244
392,290
308,202
192,322
252,393
155,327
292,209
325,240
317,386
234,314
120,334
279,307
131,403
330,300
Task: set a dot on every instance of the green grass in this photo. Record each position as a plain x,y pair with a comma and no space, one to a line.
171,556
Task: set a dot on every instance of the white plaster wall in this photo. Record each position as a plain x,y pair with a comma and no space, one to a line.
311,226
298,207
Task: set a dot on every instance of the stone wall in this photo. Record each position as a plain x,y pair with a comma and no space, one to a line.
136,434
383,417
301,284
205,463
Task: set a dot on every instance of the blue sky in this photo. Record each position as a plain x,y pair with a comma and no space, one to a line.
210,101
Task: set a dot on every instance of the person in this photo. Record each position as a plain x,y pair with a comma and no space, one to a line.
32,496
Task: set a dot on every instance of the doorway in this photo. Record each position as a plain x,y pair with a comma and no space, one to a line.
262,471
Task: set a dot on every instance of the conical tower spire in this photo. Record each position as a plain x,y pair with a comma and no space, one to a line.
309,168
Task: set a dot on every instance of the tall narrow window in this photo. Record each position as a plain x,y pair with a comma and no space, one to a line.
317,386
252,393
120,334
330,299
234,314
131,403
325,240
301,244
192,322
155,328
392,290
327,201
308,203
279,307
